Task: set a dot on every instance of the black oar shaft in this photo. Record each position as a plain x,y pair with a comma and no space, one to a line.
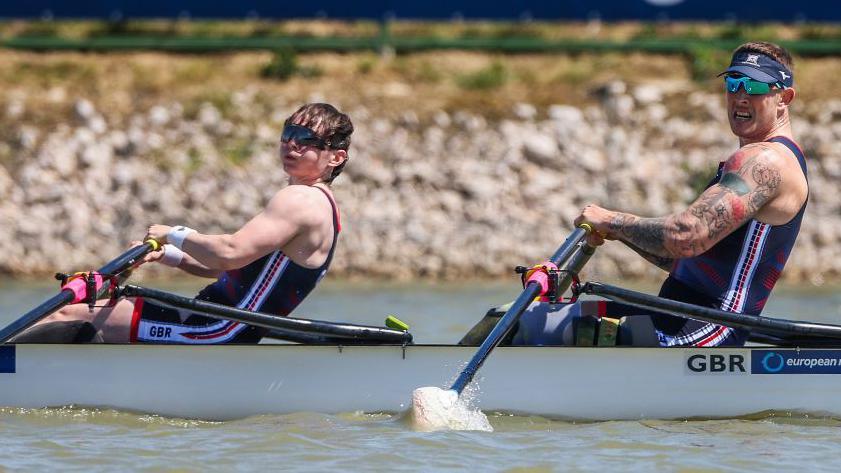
118,265
333,329
774,326
532,289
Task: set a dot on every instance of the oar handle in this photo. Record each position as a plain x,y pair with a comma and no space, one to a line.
532,289
570,244
129,258
69,294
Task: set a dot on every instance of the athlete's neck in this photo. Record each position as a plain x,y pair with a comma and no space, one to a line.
306,181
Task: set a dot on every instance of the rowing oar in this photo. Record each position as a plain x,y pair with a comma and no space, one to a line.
273,322
431,406
774,326
78,289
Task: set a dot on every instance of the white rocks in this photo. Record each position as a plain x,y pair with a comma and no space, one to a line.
619,108
647,94
97,155
119,141
15,109
84,109
541,149
525,111
566,114
445,195
6,184
209,116
28,137
57,95
159,115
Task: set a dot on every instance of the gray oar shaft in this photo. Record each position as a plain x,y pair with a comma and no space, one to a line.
567,249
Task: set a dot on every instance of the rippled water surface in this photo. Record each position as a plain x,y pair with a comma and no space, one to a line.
90,439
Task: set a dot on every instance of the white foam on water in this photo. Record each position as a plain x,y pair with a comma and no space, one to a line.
438,409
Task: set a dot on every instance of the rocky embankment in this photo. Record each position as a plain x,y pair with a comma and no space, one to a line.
451,196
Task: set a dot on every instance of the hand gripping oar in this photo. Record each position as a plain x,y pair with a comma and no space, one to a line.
77,290
536,285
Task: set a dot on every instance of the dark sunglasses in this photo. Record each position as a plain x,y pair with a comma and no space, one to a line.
303,136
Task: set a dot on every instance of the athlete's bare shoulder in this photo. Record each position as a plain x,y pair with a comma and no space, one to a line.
307,205
769,174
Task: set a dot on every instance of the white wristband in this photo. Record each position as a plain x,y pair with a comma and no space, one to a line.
172,256
177,235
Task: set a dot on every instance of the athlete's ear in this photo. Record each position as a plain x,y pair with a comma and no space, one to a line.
787,96
339,156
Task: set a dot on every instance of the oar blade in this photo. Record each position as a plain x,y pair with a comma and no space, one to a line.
442,409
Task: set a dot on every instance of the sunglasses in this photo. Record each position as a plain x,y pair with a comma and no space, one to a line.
303,136
752,87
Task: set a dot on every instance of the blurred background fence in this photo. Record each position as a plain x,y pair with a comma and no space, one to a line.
510,26
610,10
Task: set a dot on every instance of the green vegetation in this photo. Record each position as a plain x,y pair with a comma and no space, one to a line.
239,151
409,36
491,77
698,179
284,65
366,65
707,62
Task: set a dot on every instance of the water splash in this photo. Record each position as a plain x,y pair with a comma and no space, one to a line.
438,409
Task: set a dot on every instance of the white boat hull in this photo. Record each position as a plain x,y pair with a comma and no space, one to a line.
230,382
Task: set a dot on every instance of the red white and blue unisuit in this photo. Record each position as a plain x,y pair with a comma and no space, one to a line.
272,284
736,275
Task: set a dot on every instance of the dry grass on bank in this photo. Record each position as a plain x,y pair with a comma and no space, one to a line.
124,83
488,84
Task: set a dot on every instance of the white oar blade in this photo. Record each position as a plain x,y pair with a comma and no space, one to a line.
438,409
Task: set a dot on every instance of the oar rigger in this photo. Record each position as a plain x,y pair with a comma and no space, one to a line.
87,286
550,278
77,290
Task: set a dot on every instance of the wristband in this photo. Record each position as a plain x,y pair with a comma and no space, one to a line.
172,256
177,235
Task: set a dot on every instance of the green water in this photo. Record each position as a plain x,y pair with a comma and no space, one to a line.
104,440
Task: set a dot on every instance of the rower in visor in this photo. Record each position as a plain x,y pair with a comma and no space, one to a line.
728,248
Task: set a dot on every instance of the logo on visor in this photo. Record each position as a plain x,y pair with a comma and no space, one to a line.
785,76
752,59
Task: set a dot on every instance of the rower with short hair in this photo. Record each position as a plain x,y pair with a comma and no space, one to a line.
728,248
269,265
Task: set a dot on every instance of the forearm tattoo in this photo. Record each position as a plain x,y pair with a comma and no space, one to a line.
661,262
748,183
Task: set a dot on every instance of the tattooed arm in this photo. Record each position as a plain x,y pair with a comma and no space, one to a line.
751,179
662,262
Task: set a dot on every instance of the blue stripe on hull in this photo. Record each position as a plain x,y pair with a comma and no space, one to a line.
7,359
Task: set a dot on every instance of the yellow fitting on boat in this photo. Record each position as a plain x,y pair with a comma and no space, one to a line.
395,323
